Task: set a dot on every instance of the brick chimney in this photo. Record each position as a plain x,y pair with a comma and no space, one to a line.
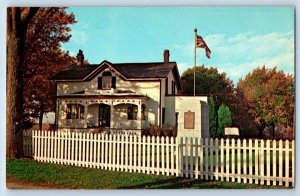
80,58
166,56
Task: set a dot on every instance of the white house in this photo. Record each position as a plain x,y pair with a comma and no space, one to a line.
127,97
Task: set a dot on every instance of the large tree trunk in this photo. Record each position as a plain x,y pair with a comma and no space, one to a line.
14,83
16,26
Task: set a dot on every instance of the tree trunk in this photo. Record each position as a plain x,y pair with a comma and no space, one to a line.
14,84
16,26
272,126
41,119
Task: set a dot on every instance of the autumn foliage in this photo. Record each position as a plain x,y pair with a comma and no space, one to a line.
44,58
270,95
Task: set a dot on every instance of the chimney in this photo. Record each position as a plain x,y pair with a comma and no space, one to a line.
80,58
166,56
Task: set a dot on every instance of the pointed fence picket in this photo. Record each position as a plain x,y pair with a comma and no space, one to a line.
256,161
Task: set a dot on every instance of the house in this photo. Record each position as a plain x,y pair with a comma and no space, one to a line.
127,97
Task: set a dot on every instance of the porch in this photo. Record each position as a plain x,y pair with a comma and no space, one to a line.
110,114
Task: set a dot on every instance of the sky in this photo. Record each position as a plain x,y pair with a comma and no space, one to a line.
240,38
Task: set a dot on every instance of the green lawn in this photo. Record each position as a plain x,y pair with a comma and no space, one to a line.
72,177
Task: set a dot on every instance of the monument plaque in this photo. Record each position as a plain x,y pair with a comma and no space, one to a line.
189,120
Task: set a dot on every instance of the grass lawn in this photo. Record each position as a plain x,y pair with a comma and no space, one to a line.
71,177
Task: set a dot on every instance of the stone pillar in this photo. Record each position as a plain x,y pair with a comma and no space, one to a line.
85,116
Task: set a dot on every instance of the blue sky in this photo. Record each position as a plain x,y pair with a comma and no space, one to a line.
240,38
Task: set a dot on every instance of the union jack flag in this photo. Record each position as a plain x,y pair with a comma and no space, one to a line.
200,43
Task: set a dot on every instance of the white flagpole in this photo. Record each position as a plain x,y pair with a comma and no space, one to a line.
195,63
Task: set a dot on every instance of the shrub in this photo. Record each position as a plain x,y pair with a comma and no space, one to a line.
224,119
154,130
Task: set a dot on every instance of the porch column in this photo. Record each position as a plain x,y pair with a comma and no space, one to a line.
85,116
139,115
111,115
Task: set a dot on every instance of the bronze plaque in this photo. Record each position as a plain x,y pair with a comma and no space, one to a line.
189,120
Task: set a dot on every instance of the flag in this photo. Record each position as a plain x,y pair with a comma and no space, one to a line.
200,43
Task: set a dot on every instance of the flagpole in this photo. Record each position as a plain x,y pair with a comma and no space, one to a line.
195,63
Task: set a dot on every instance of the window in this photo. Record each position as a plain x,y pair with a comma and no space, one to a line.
75,111
107,81
132,111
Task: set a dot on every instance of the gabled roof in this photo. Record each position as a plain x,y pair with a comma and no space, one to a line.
128,71
76,73
144,70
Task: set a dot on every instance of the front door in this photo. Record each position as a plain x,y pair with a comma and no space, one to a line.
104,115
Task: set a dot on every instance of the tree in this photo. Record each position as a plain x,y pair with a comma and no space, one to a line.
212,117
270,94
17,22
224,119
44,58
208,81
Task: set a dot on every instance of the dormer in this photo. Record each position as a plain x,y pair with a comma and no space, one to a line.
106,81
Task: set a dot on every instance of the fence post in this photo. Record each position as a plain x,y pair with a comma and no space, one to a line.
192,145
113,154
55,147
145,155
250,161
287,165
239,160
172,155
256,161
201,159
274,158
222,159
280,162
134,152
196,158
217,159
130,153
122,151
293,163
102,136
262,162
34,135
186,155
162,151
245,160
153,154
227,159
168,155
235,164
268,162
211,156
140,155
157,155
180,157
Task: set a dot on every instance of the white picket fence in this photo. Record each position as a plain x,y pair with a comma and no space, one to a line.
262,162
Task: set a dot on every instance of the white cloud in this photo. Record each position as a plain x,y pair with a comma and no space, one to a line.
79,36
79,33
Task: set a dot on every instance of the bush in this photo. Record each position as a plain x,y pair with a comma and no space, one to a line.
224,119
154,130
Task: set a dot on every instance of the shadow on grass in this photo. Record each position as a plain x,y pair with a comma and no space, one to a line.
182,183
